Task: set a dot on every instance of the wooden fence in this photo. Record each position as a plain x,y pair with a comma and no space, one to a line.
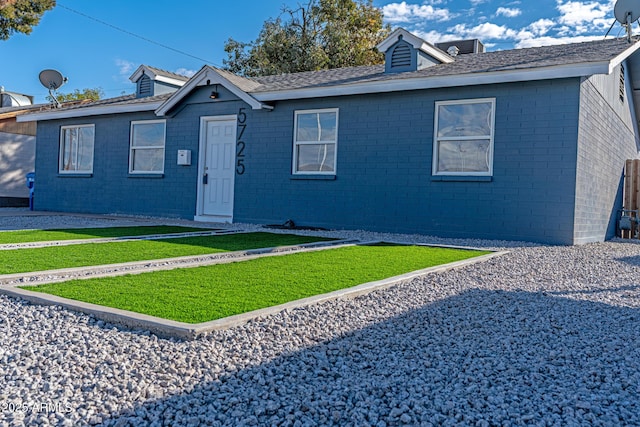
631,203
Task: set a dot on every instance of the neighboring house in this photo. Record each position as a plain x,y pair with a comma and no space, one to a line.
17,148
525,144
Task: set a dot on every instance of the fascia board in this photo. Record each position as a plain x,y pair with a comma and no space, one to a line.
623,56
436,53
138,73
88,111
471,79
170,80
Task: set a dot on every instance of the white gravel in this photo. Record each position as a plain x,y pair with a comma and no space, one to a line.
542,336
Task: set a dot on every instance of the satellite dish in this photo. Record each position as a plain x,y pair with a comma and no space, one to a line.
627,11
52,80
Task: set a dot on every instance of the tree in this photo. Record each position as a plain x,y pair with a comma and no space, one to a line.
88,94
322,34
20,16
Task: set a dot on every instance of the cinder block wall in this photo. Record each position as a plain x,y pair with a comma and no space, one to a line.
384,181
605,140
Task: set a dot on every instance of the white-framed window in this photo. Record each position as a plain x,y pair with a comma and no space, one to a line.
463,137
76,149
315,140
146,148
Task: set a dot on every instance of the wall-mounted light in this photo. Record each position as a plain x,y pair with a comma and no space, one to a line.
214,93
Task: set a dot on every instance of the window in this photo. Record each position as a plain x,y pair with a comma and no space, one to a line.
76,149
314,142
463,137
147,147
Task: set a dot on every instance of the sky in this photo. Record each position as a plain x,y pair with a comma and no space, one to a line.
100,44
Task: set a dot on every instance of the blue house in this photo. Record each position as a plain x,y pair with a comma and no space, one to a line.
449,140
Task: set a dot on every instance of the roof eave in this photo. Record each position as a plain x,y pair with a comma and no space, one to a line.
623,56
432,82
88,111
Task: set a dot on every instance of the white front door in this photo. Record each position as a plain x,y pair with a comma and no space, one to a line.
218,168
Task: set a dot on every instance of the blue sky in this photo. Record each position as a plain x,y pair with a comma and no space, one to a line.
92,54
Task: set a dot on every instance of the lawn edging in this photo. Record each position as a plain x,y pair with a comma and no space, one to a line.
173,329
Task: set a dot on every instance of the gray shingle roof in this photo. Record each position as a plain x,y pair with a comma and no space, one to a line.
506,60
118,101
166,73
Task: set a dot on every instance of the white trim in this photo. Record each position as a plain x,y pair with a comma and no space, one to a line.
61,142
490,137
212,76
202,150
131,148
98,110
169,80
296,143
623,56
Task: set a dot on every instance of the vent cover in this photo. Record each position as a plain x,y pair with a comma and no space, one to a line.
621,85
144,86
401,56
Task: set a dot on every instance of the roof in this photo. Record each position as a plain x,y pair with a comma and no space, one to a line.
536,63
159,75
11,112
120,104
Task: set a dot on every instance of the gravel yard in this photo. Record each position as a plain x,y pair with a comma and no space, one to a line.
541,336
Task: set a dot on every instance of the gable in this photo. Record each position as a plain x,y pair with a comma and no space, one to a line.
213,78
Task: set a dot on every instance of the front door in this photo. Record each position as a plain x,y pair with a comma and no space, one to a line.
218,168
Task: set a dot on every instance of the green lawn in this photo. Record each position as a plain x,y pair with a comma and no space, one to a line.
200,294
54,257
28,236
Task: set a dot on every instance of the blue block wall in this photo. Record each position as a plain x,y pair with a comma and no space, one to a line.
111,189
606,140
384,180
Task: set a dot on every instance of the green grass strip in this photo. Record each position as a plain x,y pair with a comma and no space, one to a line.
30,236
82,255
200,294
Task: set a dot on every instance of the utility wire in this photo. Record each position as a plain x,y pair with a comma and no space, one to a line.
134,34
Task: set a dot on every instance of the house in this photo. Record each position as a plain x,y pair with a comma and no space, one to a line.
17,148
523,144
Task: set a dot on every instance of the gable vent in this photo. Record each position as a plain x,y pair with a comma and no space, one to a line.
401,56
144,86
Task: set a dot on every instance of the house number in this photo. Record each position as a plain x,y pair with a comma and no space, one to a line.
240,145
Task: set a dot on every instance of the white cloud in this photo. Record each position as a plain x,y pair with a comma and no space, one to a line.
403,12
435,36
547,41
486,31
508,12
541,26
585,15
185,72
125,68
477,2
